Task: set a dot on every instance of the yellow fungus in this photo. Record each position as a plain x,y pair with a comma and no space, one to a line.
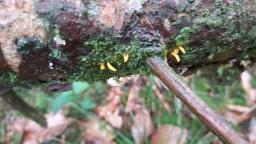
176,51
165,59
176,56
181,49
112,68
126,57
102,66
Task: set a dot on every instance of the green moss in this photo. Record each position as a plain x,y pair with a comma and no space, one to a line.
183,37
8,78
107,50
25,45
56,54
216,35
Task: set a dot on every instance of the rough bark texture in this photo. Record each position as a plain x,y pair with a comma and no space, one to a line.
45,40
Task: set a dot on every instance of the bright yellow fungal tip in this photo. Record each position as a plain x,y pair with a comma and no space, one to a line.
102,66
112,68
176,56
176,51
181,49
126,57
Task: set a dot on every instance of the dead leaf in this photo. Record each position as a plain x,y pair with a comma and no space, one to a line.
34,134
111,111
162,99
239,114
113,82
250,91
98,133
238,108
168,134
113,117
134,102
233,117
252,132
143,126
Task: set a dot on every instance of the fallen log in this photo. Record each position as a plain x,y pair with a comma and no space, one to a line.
44,40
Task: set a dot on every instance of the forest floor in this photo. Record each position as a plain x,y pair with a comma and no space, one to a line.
136,109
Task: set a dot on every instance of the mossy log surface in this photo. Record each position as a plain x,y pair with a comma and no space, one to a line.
43,40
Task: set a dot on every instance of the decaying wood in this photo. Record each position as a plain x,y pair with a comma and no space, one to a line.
44,40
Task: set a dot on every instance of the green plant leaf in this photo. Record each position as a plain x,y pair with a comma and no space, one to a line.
79,87
61,100
87,104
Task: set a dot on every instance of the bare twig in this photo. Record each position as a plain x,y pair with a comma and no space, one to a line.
210,118
10,97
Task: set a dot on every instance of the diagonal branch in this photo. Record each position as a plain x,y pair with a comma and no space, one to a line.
10,97
210,118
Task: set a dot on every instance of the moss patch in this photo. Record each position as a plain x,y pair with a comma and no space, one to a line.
8,78
107,50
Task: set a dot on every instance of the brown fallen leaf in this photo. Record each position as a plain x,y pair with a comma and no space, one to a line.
239,114
252,132
233,117
111,111
33,133
238,108
168,134
134,101
142,127
162,99
98,132
248,88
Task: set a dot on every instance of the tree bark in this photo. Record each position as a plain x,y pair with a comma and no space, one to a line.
45,40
